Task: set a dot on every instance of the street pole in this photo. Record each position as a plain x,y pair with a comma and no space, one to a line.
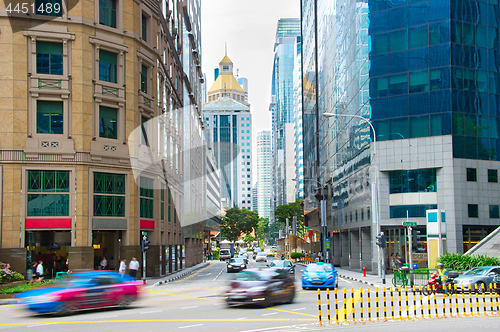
144,267
324,227
383,263
410,241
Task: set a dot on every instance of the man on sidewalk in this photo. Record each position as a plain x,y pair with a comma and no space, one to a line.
133,267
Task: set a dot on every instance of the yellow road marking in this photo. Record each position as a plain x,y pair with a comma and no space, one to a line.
195,273
165,320
186,296
292,312
349,306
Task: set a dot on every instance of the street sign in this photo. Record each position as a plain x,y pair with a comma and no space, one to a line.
327,243
145,233
410,223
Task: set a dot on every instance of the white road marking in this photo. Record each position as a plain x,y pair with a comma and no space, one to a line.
241,318
185,327
43,324
272,313
204,275
196,306
109,316
298,309
150,312
219,273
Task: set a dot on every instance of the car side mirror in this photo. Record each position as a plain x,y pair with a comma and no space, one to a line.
294,265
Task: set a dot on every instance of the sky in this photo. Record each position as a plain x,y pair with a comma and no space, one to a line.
249,28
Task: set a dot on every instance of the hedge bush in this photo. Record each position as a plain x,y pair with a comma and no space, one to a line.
7,275
25,287
296,255
466,262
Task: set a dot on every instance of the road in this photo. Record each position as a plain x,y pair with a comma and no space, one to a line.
193,303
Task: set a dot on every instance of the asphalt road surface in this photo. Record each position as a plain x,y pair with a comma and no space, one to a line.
194,303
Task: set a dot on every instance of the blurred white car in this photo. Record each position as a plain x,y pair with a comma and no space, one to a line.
261,257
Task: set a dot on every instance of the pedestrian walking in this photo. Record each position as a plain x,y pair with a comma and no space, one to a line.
133,267
39,271
123,267
34,277
398,261
392,262
104,263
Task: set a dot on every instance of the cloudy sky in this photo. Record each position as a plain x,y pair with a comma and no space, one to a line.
249,28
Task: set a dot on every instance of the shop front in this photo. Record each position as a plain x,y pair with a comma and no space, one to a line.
50,247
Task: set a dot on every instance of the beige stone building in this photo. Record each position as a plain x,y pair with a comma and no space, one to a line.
75,85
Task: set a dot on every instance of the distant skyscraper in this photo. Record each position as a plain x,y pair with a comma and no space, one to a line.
264,173
297,118
229,129
204,90
283,129
244,84
255,196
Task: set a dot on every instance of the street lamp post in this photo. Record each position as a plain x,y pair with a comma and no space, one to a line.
376,201
324,229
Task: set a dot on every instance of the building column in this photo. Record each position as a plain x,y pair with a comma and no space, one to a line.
81,258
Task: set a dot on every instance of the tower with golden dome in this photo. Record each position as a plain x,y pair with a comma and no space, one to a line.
228,129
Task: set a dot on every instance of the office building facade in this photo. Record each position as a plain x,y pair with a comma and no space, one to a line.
229,125
424,73
78,84
264,184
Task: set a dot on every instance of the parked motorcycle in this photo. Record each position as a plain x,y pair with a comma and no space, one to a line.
435,285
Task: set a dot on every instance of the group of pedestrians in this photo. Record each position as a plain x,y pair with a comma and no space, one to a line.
133,266
37,272
396,262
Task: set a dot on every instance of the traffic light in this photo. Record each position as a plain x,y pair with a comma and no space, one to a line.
381,242
145,244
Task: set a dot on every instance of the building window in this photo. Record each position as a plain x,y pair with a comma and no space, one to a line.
473,210
107,13
107,66
493,175
169,205
362,214
48,193
471,175
108,122
49,117
225,68
368,213
109,195
162,202
356,215
414,211
49,7
350,216
146,198
144,79
144,27
494,212
49,58
412,181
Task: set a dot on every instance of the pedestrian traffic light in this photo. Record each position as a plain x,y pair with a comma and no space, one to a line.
145,244
381,242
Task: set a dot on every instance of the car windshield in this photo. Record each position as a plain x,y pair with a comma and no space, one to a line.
74,281
253,276
261,254
318,268
236,260
257,250
477,272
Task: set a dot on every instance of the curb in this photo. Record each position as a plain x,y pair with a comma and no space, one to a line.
358,280
180,275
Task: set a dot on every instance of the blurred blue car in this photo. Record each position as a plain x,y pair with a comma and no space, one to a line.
319,275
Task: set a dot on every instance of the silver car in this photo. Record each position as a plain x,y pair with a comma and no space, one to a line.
261,257
481,276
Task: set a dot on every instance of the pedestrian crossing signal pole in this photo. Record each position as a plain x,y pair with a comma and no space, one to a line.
381,243
144,247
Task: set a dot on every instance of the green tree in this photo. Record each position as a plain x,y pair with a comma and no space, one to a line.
290,210
238,221
262,228
248,239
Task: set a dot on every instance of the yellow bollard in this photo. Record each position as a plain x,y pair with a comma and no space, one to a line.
336,307
328,304
483,295
407,307
352,305
414,302
361,303
429,305
471,303
477,299
376,303
421,303
400,313
385,303
435,305
464,308
369,304
392,304
496,301
457,309
319,306
491,299
444,298
345,305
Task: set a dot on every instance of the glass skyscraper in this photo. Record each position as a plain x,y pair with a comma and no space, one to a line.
426,74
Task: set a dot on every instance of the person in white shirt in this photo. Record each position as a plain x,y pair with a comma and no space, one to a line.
39,270
123,267
104,264
133,267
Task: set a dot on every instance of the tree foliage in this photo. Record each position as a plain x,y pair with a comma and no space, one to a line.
248,239
289,211
261,232
238,221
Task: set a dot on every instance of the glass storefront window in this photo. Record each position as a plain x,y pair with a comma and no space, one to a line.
412,181
414,211
48,193
109,195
